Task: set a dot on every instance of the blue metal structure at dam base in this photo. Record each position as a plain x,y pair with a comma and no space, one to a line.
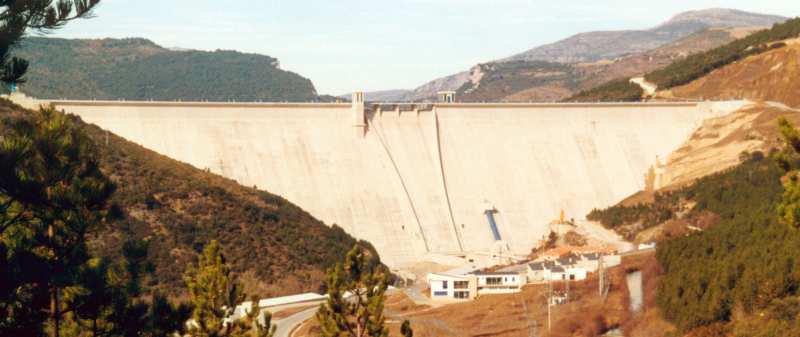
490,216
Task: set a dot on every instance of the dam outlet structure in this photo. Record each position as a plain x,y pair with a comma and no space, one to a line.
418,180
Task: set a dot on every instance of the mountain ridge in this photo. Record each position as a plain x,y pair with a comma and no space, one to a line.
682,26
611,44
140,69
536,80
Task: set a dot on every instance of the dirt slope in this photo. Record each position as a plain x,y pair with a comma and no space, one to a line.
771,76
718,143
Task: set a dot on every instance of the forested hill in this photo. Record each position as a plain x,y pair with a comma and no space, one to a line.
138,69
276,247
738,269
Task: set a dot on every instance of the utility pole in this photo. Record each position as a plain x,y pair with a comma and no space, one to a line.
601,280
532,322
549,303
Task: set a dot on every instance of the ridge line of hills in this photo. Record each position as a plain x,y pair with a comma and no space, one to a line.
580,59
603,45
139,69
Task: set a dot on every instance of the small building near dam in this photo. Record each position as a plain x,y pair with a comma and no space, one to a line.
454,286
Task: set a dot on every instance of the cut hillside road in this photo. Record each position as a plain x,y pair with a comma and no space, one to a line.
595,231
648,87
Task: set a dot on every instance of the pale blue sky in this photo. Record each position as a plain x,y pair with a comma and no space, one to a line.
346,45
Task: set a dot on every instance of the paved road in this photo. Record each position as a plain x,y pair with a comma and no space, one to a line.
286,325
414,293
782,106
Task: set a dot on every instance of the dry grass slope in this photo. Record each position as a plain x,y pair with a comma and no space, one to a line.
719,142
770,76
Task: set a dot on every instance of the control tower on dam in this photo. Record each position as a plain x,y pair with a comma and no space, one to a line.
419,180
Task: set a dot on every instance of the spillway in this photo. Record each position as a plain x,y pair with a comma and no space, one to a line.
415,182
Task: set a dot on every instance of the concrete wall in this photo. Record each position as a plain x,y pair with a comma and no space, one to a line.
418,182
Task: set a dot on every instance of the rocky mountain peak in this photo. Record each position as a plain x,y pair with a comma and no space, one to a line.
724,17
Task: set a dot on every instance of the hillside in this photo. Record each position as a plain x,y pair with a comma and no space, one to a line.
641,63
505,80
529,80
425,92
138,69
735,268
595,58
769,76
719,144
274,245
605,45
743,57
729,264
700,64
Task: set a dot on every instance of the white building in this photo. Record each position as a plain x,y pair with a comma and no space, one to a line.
645,246
500,282
456,287
589,261
540,271
576,273
593,261
574,268
452,287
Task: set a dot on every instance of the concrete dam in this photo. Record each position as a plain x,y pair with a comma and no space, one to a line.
419,181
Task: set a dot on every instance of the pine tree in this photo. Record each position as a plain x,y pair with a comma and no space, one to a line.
52,193
109,300
215,294
405,329
258,325
164,319
789,208
356,293
17,16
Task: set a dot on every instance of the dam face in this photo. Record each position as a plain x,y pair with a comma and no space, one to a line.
420,182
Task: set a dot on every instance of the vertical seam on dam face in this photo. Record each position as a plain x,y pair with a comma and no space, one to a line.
403,184
444,179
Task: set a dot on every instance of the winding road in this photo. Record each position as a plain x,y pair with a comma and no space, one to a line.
286,325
